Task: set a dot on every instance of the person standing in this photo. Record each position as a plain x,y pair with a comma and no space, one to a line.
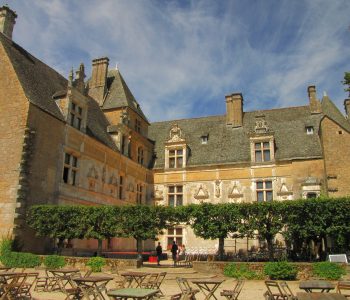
174,250
159,251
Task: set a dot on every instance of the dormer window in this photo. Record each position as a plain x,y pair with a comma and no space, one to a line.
309,130
76,116
175,158
262,151
175,149
204,139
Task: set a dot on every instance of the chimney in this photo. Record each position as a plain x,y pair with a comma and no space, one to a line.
347,107
7,21
234,110
98,81
315,105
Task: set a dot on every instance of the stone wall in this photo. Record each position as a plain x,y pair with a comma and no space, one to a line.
13,128
336,147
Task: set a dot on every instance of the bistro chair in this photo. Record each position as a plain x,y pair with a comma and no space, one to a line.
277,292
26,286
12,289
150,281
46,283
234,293
343,287
287,291
187,291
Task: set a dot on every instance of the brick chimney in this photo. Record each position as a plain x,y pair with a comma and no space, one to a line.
347,107
234,110
98,81
7,21
315,105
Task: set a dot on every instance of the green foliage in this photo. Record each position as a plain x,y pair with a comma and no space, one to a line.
265,218
328,270
346,81
143,222
54,261
241,271
280,270
20,260
61,222
214,221
96,263
5,246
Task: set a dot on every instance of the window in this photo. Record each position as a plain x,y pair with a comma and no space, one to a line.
175,234
204,139
264,191
309,130
70,169
121,187
311,195
175,158
175,195
137,125
123,144
262,151
139,193
76,116
140,155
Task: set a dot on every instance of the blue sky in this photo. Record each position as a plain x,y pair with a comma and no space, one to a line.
180,58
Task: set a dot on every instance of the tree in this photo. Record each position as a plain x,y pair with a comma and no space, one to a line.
58,222
143,222
101,222
346,81
263,219
214,221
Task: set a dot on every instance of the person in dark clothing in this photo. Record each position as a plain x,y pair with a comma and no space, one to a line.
174,249
159,251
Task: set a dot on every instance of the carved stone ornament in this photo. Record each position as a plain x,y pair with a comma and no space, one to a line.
202,193
158,194
92,173
283,190
235,191
113,180
175,134
261,125
217,189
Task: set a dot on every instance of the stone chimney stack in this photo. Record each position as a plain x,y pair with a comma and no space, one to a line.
234,110
7,21
315,105
347,107
98,82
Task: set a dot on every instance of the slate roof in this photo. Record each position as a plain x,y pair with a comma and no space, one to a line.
232,145
330,110
119,94
40,83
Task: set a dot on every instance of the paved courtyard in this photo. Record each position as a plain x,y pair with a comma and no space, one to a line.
252,290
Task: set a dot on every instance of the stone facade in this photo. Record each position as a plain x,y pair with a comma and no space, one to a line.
88,142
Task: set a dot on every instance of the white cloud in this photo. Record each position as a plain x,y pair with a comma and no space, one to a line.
180,61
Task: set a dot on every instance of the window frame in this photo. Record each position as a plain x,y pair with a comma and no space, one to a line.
138,125
264,190
140,155
121,187
176,194
70,169
139,193
76,115
175,157
174,236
